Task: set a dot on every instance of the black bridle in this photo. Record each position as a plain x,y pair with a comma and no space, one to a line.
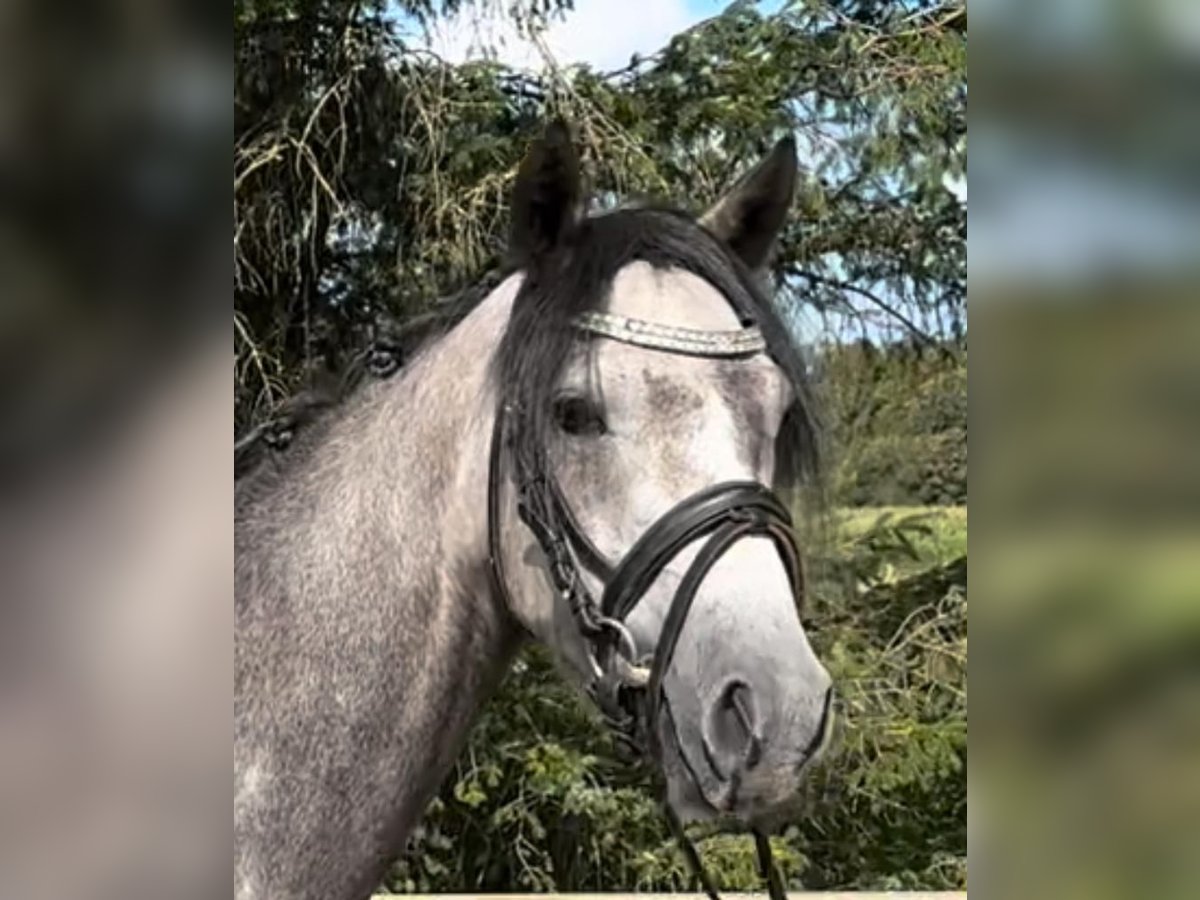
629,694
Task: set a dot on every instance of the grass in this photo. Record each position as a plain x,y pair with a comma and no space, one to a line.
941,539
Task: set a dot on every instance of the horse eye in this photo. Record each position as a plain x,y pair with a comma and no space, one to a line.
578,416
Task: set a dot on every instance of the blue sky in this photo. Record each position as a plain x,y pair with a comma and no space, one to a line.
603,33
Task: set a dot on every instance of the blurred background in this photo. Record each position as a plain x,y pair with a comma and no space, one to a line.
1084,254
115,486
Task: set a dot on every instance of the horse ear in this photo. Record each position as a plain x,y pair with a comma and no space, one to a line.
547,201
751,214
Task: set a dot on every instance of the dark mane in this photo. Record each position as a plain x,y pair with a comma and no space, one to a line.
575,279
539,337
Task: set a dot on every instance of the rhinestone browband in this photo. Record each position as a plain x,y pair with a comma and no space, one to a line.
654,336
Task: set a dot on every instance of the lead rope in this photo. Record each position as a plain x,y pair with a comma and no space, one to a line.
766,865
762,846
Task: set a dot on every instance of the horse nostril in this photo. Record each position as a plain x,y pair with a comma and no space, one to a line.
731,736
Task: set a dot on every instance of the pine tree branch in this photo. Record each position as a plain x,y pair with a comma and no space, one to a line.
870,296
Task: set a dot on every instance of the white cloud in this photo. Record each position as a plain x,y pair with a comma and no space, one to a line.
602,33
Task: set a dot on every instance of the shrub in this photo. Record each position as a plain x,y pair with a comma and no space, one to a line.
898,419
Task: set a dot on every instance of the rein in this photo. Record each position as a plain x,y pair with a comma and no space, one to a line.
629,690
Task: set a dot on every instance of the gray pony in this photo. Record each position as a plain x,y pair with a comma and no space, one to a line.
392,561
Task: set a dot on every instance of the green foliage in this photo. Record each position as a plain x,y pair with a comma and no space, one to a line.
541,801
898,417
371,178
893,815
911,538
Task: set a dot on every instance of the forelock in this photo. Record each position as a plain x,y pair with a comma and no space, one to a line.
577,278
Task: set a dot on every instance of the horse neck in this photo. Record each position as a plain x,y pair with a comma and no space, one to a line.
365,618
